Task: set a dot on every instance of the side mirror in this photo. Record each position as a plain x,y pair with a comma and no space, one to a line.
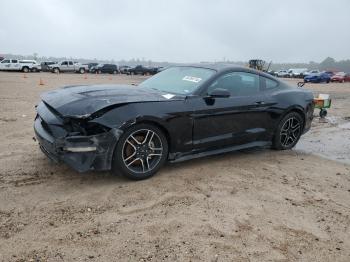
219,92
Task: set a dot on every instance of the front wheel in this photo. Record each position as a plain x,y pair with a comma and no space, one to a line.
25,69
288,131
81,70
140,152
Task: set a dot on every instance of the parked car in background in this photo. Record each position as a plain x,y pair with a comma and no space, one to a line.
158,69
20,65
317,78
141,70
33,65
1,58
282,73
90,65
105,68
311,72
297,72
45,65
272,72
10,65
341,77
330,73
124,69
68,66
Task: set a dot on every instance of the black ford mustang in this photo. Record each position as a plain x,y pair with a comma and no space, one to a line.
181,113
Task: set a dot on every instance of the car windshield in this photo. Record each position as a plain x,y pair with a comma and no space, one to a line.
340,74
178,80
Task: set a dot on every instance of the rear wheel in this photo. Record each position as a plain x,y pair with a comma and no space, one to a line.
140,152
56,70
288,131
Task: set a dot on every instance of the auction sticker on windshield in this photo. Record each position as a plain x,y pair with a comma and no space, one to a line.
192,79
168,96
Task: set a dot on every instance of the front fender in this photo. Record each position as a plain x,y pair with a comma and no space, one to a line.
126,115
174,118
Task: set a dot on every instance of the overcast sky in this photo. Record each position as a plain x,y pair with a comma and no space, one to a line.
178,30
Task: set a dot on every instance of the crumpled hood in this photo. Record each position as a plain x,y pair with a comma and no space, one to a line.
82,101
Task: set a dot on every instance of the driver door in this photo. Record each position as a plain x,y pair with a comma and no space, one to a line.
228,121
5,64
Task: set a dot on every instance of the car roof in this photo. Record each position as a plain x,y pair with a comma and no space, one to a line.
222,67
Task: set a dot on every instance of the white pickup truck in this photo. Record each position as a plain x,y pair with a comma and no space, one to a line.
68,66
19,65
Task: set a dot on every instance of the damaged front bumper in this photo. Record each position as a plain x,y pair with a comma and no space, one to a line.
82,153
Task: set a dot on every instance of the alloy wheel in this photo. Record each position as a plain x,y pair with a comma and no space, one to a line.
142,151
290,131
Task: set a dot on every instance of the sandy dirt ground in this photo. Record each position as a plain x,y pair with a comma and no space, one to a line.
254,205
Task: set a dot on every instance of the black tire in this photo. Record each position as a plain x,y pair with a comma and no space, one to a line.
140,159
56,70
34,69
25,69
323,113
82,71
288,131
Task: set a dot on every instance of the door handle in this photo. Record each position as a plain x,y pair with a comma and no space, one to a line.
260,103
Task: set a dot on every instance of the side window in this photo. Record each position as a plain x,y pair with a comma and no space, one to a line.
64,63
5,61
267,83
70,63
237,83
14,61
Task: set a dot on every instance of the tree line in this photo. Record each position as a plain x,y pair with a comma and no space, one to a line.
327,64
